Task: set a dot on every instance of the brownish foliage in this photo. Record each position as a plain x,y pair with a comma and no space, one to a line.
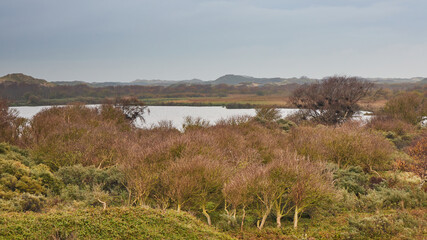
10,124
409,107
389,124
418,151
76,134
349,144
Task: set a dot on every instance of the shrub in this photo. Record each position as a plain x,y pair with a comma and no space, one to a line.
418,151
19,174
30,202
397,131
345,145
395,226
388,124
389,198
352,179
90,184
10,124
194,123
409,107
65,136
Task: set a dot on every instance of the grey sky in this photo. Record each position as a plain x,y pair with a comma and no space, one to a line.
112,40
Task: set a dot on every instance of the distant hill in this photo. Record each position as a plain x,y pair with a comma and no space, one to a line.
70,83
395,80
22,78
166,82
229,79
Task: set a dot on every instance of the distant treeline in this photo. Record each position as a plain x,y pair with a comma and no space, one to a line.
34,94
27,93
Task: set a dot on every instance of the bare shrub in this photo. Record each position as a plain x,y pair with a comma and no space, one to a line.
409,107
10,124
332,100
64,136
345,145
389,124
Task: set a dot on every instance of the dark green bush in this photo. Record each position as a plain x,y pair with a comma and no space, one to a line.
111,179
30,202
352,179
389,198
396,226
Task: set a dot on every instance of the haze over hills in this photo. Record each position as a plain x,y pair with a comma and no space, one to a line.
229,79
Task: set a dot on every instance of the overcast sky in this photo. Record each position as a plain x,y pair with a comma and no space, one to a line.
124,40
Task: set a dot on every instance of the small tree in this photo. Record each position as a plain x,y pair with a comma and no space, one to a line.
284,176
313,183
237,193
332,100
179,182
10,124
267,114
272,185
132,107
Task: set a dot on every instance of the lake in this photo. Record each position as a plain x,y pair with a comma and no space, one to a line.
177,114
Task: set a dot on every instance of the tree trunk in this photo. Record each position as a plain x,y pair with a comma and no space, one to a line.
104,204
208,218
264,218
296,218
179,207
243,219
278,219
129,197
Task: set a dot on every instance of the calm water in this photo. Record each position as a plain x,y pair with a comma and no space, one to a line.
175,114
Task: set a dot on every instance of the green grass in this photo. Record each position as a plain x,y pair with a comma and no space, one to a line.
113,223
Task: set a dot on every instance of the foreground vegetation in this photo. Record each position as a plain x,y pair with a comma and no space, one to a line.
113,223
80,169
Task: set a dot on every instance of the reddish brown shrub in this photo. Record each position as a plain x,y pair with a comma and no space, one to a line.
349,144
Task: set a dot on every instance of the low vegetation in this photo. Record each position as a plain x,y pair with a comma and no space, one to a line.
113,223
80,172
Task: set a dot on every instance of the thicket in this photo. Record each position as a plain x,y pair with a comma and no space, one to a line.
410,107
347,145
240,174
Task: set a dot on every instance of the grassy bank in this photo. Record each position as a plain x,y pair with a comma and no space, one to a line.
113,223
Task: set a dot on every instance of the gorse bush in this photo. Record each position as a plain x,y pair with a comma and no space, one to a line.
388,198
352,179
395,226
23,184
92,185
16,177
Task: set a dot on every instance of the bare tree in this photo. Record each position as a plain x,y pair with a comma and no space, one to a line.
237,193
179,182
332,100
132,107
10,124
313,183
